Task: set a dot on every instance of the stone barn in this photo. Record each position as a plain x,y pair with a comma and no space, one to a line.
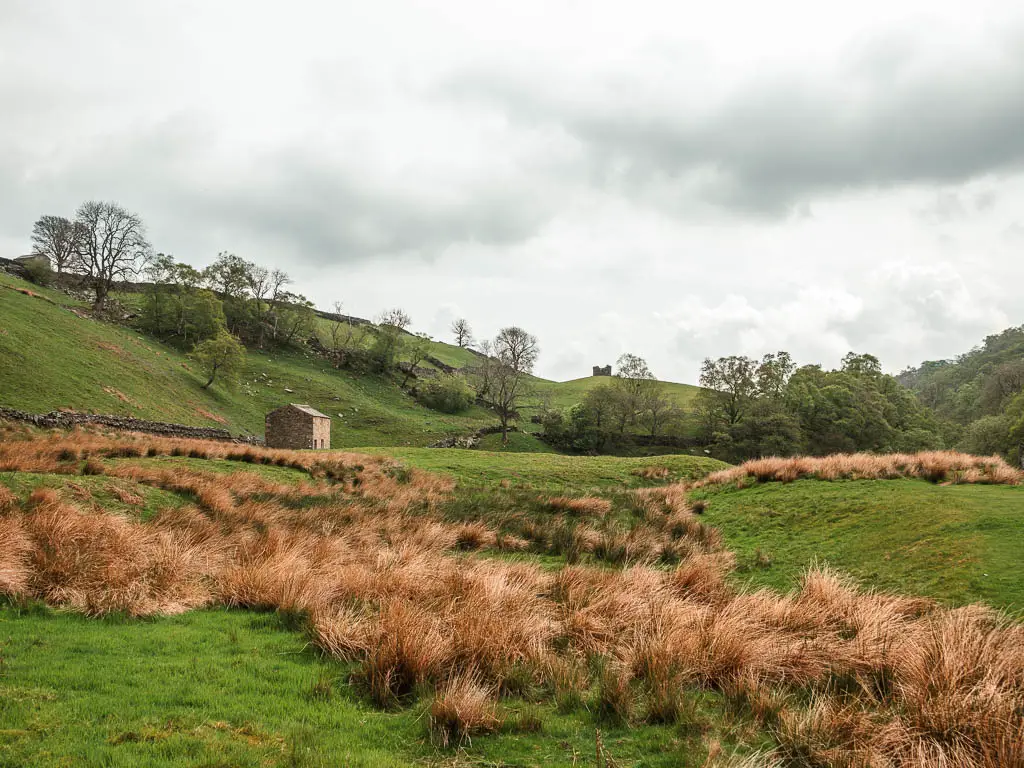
298,426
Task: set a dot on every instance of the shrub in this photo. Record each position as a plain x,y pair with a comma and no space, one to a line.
446,393
39,271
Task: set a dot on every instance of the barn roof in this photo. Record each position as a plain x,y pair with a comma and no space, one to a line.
309,410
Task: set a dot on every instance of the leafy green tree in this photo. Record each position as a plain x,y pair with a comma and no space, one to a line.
634,386
202,316
221,354
729,386
773,374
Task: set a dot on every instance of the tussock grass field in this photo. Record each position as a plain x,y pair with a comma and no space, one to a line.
180,602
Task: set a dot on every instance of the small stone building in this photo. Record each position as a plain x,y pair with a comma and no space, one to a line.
298,426
605,371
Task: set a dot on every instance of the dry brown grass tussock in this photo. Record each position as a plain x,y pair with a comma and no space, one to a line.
586,505
934,466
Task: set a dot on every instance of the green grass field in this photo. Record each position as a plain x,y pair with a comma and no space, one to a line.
958,543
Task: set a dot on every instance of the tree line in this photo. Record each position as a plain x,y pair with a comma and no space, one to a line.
770,407
748,408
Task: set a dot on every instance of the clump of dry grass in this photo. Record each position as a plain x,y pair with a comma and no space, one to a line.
463,707
8,501
586,505
15,547
651,473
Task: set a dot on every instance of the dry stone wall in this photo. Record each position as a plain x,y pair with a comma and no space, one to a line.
67,419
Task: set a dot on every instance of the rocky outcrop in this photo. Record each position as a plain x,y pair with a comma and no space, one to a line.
469,441
67,419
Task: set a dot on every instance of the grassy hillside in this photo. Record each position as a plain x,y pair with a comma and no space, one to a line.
55,359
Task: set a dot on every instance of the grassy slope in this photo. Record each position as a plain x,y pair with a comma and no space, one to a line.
960,543
54,359
562,395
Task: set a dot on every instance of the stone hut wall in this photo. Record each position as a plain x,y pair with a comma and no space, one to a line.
321,433
291,428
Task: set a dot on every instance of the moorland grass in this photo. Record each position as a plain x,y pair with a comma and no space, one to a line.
368,560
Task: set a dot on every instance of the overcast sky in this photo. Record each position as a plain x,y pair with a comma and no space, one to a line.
677,180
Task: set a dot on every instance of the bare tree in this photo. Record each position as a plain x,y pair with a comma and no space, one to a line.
658,411
113,245
395,318
463,333
279,297
258,281
515,352
57,238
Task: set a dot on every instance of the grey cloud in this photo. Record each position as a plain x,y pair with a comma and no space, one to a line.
888,116
312,209
329,213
